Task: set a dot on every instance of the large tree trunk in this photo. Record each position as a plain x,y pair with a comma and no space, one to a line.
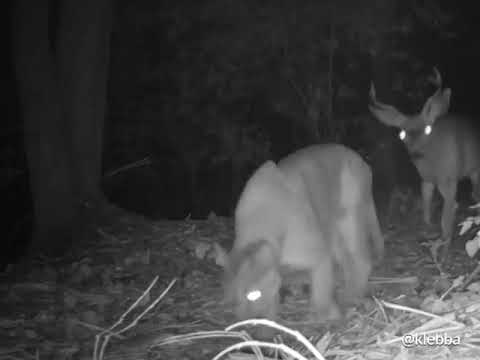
83,49
61,75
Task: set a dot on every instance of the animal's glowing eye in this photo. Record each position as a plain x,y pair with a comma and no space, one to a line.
402,135
254,295
427,130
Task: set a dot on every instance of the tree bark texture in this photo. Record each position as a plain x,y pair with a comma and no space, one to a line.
61,62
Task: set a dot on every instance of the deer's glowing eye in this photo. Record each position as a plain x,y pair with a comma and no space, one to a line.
427,130
254,295
402,135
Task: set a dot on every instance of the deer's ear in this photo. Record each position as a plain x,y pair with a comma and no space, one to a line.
221,256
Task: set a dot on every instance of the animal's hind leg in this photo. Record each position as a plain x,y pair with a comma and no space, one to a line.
356,276
322,297
359,279
355,262
475,179
448,190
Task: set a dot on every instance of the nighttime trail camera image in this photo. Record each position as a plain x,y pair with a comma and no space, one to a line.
174,171
312,213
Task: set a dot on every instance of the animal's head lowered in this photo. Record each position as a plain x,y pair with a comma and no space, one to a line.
252,280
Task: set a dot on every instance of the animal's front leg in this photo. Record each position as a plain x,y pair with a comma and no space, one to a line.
427,194
448,190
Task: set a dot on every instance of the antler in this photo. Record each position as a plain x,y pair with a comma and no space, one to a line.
436,78
387,114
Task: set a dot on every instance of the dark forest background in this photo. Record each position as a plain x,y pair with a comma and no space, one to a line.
165,108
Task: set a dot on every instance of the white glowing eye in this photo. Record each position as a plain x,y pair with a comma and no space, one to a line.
254,295
402,135
427,130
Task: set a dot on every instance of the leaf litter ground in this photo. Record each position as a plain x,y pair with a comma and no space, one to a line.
58,310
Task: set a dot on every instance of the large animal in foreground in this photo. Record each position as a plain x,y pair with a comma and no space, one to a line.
311,214
444,148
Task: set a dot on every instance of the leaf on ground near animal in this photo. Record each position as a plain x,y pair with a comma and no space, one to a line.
475,287
434,305
473,308
220,255
323,342
201,250
472,246
465,225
